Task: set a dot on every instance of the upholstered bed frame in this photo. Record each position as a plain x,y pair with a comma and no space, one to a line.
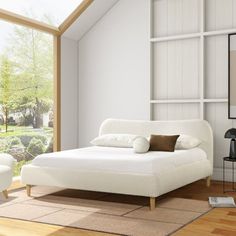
135,184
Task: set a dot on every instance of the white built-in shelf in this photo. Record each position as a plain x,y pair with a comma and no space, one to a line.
175,101
172,101
219,32
175,37
216,100
193,35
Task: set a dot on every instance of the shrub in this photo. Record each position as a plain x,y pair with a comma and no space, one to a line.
15,148
13,142
3,145
35,147
25,139
50,146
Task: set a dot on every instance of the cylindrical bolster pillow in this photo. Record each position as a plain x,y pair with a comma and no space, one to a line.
141,145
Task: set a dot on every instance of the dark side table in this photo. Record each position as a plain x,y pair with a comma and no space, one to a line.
232,160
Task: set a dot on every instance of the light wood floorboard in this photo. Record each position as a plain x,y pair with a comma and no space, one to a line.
16,185
10,227
220,221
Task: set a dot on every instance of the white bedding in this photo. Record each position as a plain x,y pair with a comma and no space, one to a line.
119,160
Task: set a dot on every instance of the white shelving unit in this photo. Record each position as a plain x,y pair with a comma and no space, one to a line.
201,36
189,63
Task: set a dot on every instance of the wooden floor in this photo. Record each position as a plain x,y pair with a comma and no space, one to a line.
215,223
10,227
219,221
16,185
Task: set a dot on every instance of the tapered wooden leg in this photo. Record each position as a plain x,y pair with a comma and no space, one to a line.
5,193
28,190
152,203
208,181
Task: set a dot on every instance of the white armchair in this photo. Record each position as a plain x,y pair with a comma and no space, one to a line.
6,172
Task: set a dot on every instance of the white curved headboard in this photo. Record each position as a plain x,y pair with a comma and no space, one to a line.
197,128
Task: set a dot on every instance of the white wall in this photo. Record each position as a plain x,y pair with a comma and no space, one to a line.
114,68
69,94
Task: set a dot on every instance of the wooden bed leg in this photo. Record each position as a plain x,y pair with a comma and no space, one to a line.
28,190
5,193
152,205
208,181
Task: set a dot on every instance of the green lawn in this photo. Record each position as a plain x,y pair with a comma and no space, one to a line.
20,130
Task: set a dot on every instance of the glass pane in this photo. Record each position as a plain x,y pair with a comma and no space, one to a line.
53,12
26,93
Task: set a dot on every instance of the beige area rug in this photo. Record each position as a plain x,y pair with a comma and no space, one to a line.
111,213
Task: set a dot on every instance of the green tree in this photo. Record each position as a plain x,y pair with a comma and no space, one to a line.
6,88
32,53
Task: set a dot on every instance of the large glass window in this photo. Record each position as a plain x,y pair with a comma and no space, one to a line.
53,12
26,92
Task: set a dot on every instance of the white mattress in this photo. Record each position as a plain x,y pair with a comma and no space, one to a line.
119,160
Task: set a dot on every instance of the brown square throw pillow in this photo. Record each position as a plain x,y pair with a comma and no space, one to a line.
163,142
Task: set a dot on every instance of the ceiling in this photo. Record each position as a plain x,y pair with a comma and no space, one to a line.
88,18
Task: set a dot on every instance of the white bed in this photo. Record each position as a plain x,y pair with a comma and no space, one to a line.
120,170
121,160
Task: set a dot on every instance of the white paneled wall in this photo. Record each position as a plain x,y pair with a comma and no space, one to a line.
189,64
177,111
216,67
169,17
176,69
220,14
216,114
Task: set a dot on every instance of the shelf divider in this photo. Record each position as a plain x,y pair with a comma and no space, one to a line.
175,37
205,100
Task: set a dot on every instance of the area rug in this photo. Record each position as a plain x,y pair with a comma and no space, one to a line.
111,213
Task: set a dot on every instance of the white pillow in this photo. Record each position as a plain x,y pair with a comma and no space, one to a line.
187,142
115,140
141,145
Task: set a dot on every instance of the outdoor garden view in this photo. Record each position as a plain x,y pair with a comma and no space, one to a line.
26,93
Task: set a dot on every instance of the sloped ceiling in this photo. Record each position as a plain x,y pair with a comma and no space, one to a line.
88,18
